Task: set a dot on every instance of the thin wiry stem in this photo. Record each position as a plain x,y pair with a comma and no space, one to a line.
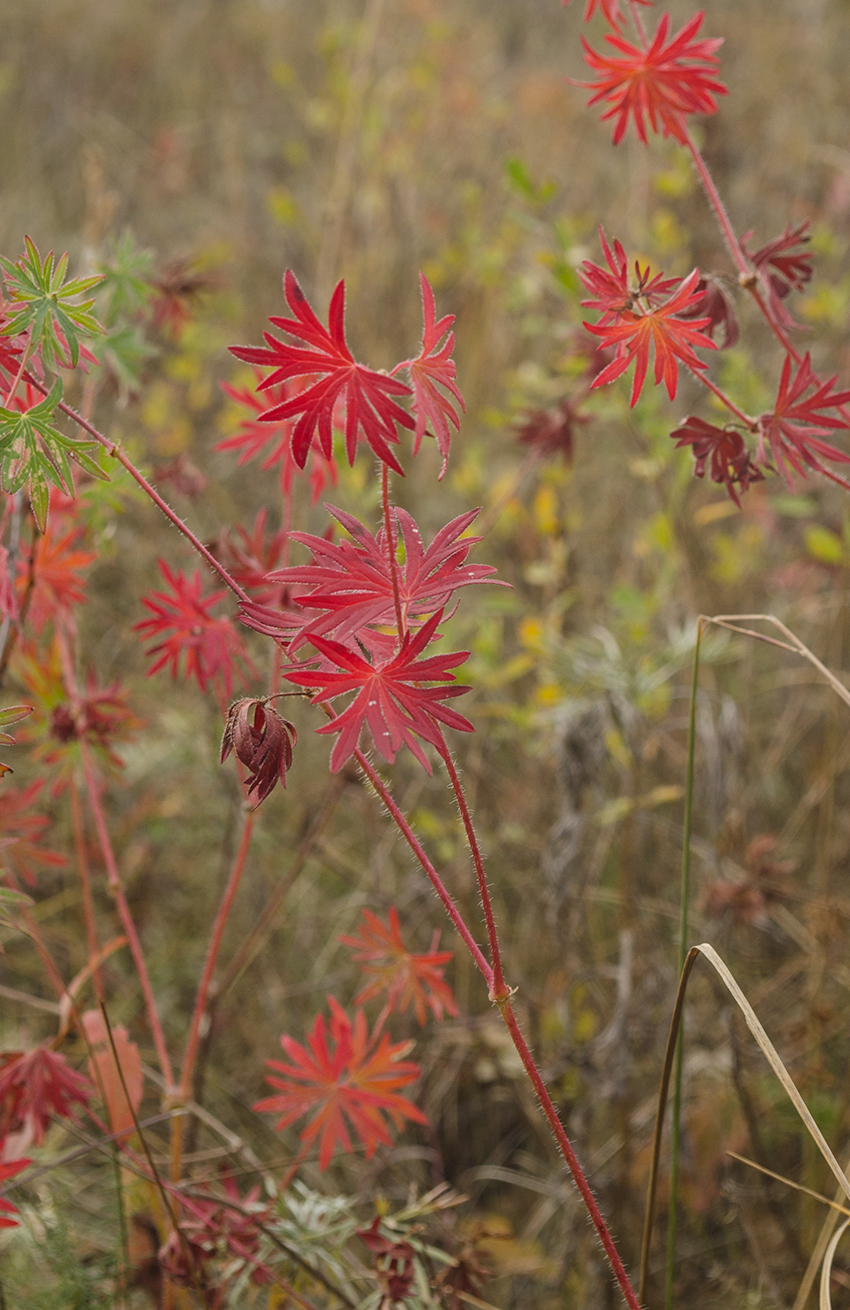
85,886
117,453
436,881
391,555
676,1133
114,883
205,983
498,990
567,1152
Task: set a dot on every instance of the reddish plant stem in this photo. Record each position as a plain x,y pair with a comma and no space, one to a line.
435,879
747,275
749,423
113,879
498,990
10,394
516,1036
567,1152
116,890
733,245
391,556
85,886
117,453
213,949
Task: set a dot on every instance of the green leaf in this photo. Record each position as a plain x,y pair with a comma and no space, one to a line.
14,713
43,305
34,452
12,897
126,287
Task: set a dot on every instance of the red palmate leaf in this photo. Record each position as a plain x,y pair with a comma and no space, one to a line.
784,267
614,294
798,420
610,10
273,441
56,568
406,978
208,647
348,585
730,462
345,1079
365,396
390,697
552,431
8,1169
35,1085
20,832
659,328
250,557
435,391
661,82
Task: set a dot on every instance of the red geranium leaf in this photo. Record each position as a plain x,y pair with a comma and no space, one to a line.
273,441
365,396
661,82
211,646
725,448
389,696
433,374
798,420
347,1080
36,1085
406,978
348,585
671,338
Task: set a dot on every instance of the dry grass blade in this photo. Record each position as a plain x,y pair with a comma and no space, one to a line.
824,1299
774,1060
792,643
789,1182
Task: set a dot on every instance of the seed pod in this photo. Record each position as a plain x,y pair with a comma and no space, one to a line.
262,740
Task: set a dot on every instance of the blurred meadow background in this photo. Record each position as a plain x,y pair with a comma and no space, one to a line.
236,138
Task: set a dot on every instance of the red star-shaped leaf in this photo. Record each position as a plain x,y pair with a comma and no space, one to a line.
36,1085
406,978
390,697
273,441
182,617
435,391
659,328
365,396
661,82
347,1079
798,420
348,585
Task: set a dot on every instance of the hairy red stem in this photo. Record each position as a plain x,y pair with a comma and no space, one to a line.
116,890
516,1036
85,886
212,955
749,423
498,990
436,881
385,496
569,1155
